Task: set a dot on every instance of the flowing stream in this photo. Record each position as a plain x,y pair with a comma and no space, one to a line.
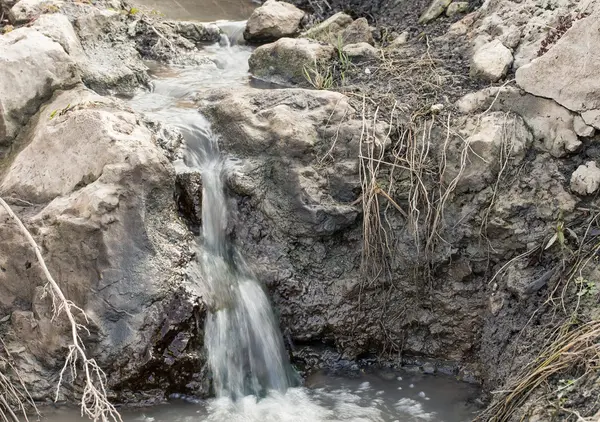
252,377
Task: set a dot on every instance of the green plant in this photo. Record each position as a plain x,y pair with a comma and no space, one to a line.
343,59
585,287
320,75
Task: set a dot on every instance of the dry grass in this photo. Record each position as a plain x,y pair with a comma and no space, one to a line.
575,346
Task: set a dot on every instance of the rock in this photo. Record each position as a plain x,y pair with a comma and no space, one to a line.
491,61
582,129
279,133
400,40
287,60
457,7
586,179
435,9
551,124
273,20
58,28
25,10
357,32
329,30
361,51
113,64
592,118
105,216
196,32
567,73
33,67
485,137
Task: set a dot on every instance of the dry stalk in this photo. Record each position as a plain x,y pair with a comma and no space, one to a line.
94,402
573,348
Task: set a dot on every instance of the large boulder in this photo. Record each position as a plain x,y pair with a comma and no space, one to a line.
273,20
568,72
291,61
96,191
282,131
33,67
112,63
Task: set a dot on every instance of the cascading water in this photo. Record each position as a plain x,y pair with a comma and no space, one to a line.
242,338
244,345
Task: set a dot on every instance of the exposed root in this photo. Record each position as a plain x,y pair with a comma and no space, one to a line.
94,402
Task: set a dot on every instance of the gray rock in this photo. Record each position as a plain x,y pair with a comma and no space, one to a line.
361,51
25,10
400,40
273,20
491,61
592,118
330,30
113,64
568,72
107,221
485,137
279,132
457,7
586,179
552,125
357,32
33,68
435,9
196,32
58,28
288,60
582,129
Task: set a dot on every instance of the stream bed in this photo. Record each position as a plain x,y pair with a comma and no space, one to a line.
373,397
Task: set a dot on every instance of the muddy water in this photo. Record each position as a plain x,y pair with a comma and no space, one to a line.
201,10
388,397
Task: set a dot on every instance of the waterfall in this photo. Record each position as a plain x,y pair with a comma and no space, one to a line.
245,348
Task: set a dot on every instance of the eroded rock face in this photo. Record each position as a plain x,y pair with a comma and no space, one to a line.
273,20
553,126
297,223
98,194
288,60
33,67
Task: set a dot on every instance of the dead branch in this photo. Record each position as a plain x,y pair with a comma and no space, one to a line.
94,401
